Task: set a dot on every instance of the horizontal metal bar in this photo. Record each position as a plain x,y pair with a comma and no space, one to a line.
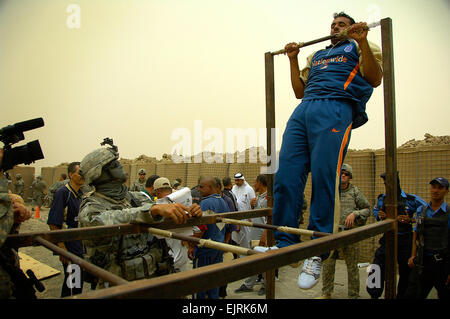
200,242
290,230
56,236
204,278
91,268
328,37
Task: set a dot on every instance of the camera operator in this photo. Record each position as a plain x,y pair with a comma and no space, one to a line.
13,283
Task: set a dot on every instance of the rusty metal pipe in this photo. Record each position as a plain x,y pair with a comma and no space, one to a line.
91,268
56,236
200,242
201,279
285,229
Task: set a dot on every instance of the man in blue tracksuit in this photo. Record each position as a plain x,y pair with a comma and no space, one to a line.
407,205
212,202
334,87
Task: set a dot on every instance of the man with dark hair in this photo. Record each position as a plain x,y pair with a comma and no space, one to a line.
407,206
344,15
212,203
149,190
227,187
224,197
68,197
430,257
195,192
334,87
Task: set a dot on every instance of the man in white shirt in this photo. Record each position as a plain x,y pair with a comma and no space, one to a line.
244,195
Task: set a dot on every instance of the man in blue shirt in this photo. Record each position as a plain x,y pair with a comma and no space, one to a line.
431,260
407,206
211,202
68,197
334,87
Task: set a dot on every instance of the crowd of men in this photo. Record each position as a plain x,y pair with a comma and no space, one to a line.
94,193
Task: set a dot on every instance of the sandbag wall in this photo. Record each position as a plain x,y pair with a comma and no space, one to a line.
416,166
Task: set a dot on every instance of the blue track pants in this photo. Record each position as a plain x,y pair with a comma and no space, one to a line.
315,140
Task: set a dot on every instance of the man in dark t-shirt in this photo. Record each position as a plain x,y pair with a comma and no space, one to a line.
68,197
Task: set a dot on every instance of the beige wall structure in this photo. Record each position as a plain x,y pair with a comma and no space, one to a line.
416,166
28,176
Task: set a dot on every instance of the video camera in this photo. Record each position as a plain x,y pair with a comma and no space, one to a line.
25,154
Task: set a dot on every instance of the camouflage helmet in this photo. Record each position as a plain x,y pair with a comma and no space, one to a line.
92,164
18,176
142,172
348,169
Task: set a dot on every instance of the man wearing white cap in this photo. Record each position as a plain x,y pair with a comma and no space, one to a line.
178,251
244,194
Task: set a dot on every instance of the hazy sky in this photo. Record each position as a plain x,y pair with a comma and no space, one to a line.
139,70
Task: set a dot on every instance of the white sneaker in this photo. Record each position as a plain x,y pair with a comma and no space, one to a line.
310,274
263,249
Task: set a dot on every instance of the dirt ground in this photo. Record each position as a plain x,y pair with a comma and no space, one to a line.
286,286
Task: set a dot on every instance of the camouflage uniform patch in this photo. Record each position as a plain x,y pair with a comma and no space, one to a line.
6,223
351,201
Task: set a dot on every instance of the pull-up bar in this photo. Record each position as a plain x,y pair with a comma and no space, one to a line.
328,37
390,145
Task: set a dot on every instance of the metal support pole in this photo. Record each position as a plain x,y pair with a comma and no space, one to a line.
271,154
390,156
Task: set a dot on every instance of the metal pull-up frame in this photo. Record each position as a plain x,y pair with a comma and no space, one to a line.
204,278
390,144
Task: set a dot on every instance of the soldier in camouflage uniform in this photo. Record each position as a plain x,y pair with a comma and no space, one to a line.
12,213
135,256
19,185
139,184
355,209
38,190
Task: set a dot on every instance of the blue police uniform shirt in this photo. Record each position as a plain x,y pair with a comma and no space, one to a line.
217,205
411,205
335,74
67,197
430,212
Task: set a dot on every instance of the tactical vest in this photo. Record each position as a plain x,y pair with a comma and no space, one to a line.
133,256
435,231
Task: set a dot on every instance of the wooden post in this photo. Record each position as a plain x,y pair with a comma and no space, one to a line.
270,124
390,156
